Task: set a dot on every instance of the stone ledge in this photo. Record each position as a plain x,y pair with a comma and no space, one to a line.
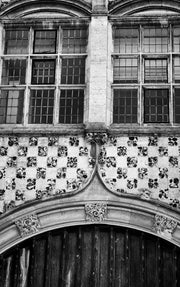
163,130
81,129
58,130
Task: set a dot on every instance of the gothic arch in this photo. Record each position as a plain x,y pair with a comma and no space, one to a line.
41,216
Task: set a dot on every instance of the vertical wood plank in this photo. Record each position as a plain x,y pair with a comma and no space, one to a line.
72,246
16,267
104,258
69,261
15,270
31,261
96,256
47,270
120,259
135,260
159,262
127,259
151,260
39,262
53,254
87,278
63,258
142,243
9,271
168,268
55,267
112,258
178,267
24,266
2,270
6,269
175,264
78,263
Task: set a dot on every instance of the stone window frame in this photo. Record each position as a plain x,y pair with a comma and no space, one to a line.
30,56
141,86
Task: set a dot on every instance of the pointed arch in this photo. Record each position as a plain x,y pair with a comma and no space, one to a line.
42,216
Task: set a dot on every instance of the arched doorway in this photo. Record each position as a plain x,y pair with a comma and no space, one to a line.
93,255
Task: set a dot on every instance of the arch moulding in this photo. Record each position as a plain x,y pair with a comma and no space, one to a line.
24,8
130,7
38,217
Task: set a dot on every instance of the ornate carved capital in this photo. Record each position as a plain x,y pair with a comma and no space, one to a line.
96,212
28,225
100,138
97,137
164,225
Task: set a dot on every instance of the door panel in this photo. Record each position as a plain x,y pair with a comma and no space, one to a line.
38,262
91,256
151,262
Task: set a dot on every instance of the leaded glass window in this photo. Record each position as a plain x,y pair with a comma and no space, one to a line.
40,68
146,74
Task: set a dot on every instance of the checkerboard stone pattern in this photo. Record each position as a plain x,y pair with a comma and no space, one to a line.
34,168
148,167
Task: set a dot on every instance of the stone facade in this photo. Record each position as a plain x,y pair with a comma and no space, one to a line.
139,164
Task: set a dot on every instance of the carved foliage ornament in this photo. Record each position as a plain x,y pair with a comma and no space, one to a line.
164,225
100,138
28,225
4,3
96,212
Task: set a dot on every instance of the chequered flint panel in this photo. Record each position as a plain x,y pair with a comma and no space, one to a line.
36,168
39,167
145,166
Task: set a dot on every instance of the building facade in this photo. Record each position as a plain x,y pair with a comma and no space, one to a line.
89,143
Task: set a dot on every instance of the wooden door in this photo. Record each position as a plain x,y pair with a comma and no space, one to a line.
91,256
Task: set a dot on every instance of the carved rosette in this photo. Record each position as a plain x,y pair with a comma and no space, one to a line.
164,226
28,225
96,212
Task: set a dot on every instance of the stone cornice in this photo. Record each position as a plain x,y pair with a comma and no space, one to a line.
113,130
